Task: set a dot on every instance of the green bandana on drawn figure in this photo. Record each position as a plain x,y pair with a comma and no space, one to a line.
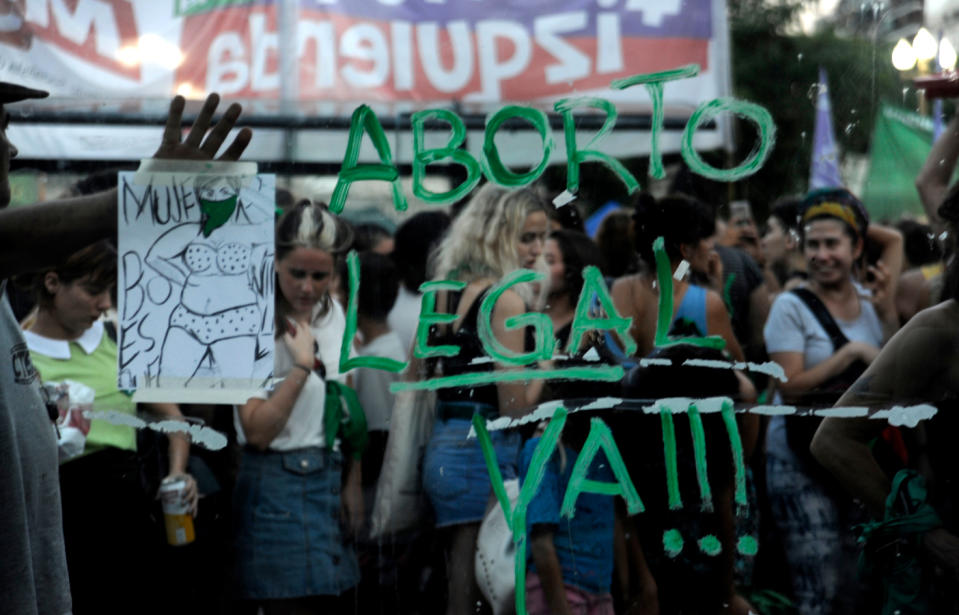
218,196
216,213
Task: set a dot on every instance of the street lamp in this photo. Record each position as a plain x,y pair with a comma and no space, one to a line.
921,55
923,50
925,45
947,55
903,56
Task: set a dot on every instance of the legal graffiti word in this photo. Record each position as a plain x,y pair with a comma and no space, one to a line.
491,165
594,289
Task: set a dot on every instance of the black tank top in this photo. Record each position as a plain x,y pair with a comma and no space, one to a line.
471,347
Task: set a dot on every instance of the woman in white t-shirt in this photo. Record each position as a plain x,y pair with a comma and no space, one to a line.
823,335
291,549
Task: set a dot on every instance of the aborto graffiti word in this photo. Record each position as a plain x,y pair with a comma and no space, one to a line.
490,164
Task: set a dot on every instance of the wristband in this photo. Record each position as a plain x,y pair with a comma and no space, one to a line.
304,368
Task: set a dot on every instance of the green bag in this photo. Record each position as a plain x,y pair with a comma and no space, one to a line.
343,415
892,547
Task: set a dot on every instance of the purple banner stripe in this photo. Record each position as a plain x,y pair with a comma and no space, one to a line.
653,18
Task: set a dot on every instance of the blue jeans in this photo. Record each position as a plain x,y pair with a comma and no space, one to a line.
455,477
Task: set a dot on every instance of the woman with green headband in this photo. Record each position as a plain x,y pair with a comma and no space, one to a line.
823,334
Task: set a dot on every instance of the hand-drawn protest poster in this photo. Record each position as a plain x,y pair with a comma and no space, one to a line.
196,282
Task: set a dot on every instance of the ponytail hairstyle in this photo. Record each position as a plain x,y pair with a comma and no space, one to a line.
678,219
309,225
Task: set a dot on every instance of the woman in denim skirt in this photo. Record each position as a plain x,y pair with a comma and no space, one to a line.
293,550
498,232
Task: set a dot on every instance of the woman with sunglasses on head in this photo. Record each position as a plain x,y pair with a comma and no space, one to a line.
296,488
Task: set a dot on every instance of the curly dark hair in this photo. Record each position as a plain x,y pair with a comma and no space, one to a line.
579,252
678,219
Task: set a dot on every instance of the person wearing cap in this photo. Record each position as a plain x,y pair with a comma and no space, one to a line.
823,334
33,573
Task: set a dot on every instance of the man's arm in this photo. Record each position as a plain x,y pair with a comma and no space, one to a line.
904,372
842,447
41,235
933,179
44,234
179,452
885,276
913,361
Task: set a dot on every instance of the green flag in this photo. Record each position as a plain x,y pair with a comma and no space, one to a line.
900,144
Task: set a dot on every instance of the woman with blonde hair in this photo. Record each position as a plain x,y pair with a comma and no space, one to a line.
488,238
296,478
498,232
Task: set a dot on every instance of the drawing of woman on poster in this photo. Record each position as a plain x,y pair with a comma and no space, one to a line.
220,313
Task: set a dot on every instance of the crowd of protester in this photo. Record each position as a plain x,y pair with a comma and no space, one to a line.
849,515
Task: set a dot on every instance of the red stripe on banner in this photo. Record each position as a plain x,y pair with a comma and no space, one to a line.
107,30
344,59
640,56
